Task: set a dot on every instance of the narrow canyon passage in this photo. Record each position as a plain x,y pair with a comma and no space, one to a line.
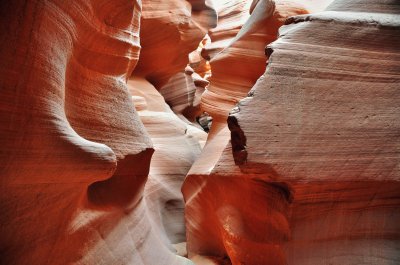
199,132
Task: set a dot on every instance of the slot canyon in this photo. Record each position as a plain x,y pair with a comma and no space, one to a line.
200,132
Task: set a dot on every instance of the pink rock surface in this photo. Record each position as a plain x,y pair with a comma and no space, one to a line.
177,145
231,17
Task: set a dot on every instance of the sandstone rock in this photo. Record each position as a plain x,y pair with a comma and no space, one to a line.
231,17
196,61
306,173
74,154
237,67
177,27
170,30
316,147
176,145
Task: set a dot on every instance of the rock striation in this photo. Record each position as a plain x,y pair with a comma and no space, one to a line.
74,153
176,26
312,175
177,145
170,30
236,68
97,142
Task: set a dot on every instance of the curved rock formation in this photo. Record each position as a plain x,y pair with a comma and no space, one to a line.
235,70
176,26
74,154
311,174
232,14
316,147
176,145
237,67
170,31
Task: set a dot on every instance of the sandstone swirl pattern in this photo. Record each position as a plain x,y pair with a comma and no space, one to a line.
306,173
74,153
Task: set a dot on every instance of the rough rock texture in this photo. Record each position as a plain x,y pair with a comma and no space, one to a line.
237,67
234,71
74,154
316,146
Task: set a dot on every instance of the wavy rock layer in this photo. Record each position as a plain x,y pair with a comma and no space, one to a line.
176,146
75,155
231,17
170,30
237,67
316,147
234,71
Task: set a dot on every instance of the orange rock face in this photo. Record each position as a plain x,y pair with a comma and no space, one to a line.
314,177
170,30
75,155
102,158
234,71
237,67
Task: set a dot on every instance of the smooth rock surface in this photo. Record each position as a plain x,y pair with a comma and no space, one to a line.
74,153
177,145
175,26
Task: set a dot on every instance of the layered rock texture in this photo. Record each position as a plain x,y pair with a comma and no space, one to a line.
312,172
102,114
176,26
170,30
176,145
75,155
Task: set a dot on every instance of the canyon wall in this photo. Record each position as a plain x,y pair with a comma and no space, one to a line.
311,175
75,155
170,30
102,158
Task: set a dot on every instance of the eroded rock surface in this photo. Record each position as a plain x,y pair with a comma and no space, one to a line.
177,145
307,173
176,26
316,147
74,153
170,31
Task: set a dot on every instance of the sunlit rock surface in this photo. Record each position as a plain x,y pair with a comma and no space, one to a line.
235,70
231,17
170,30
237,67
177,145
314,177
